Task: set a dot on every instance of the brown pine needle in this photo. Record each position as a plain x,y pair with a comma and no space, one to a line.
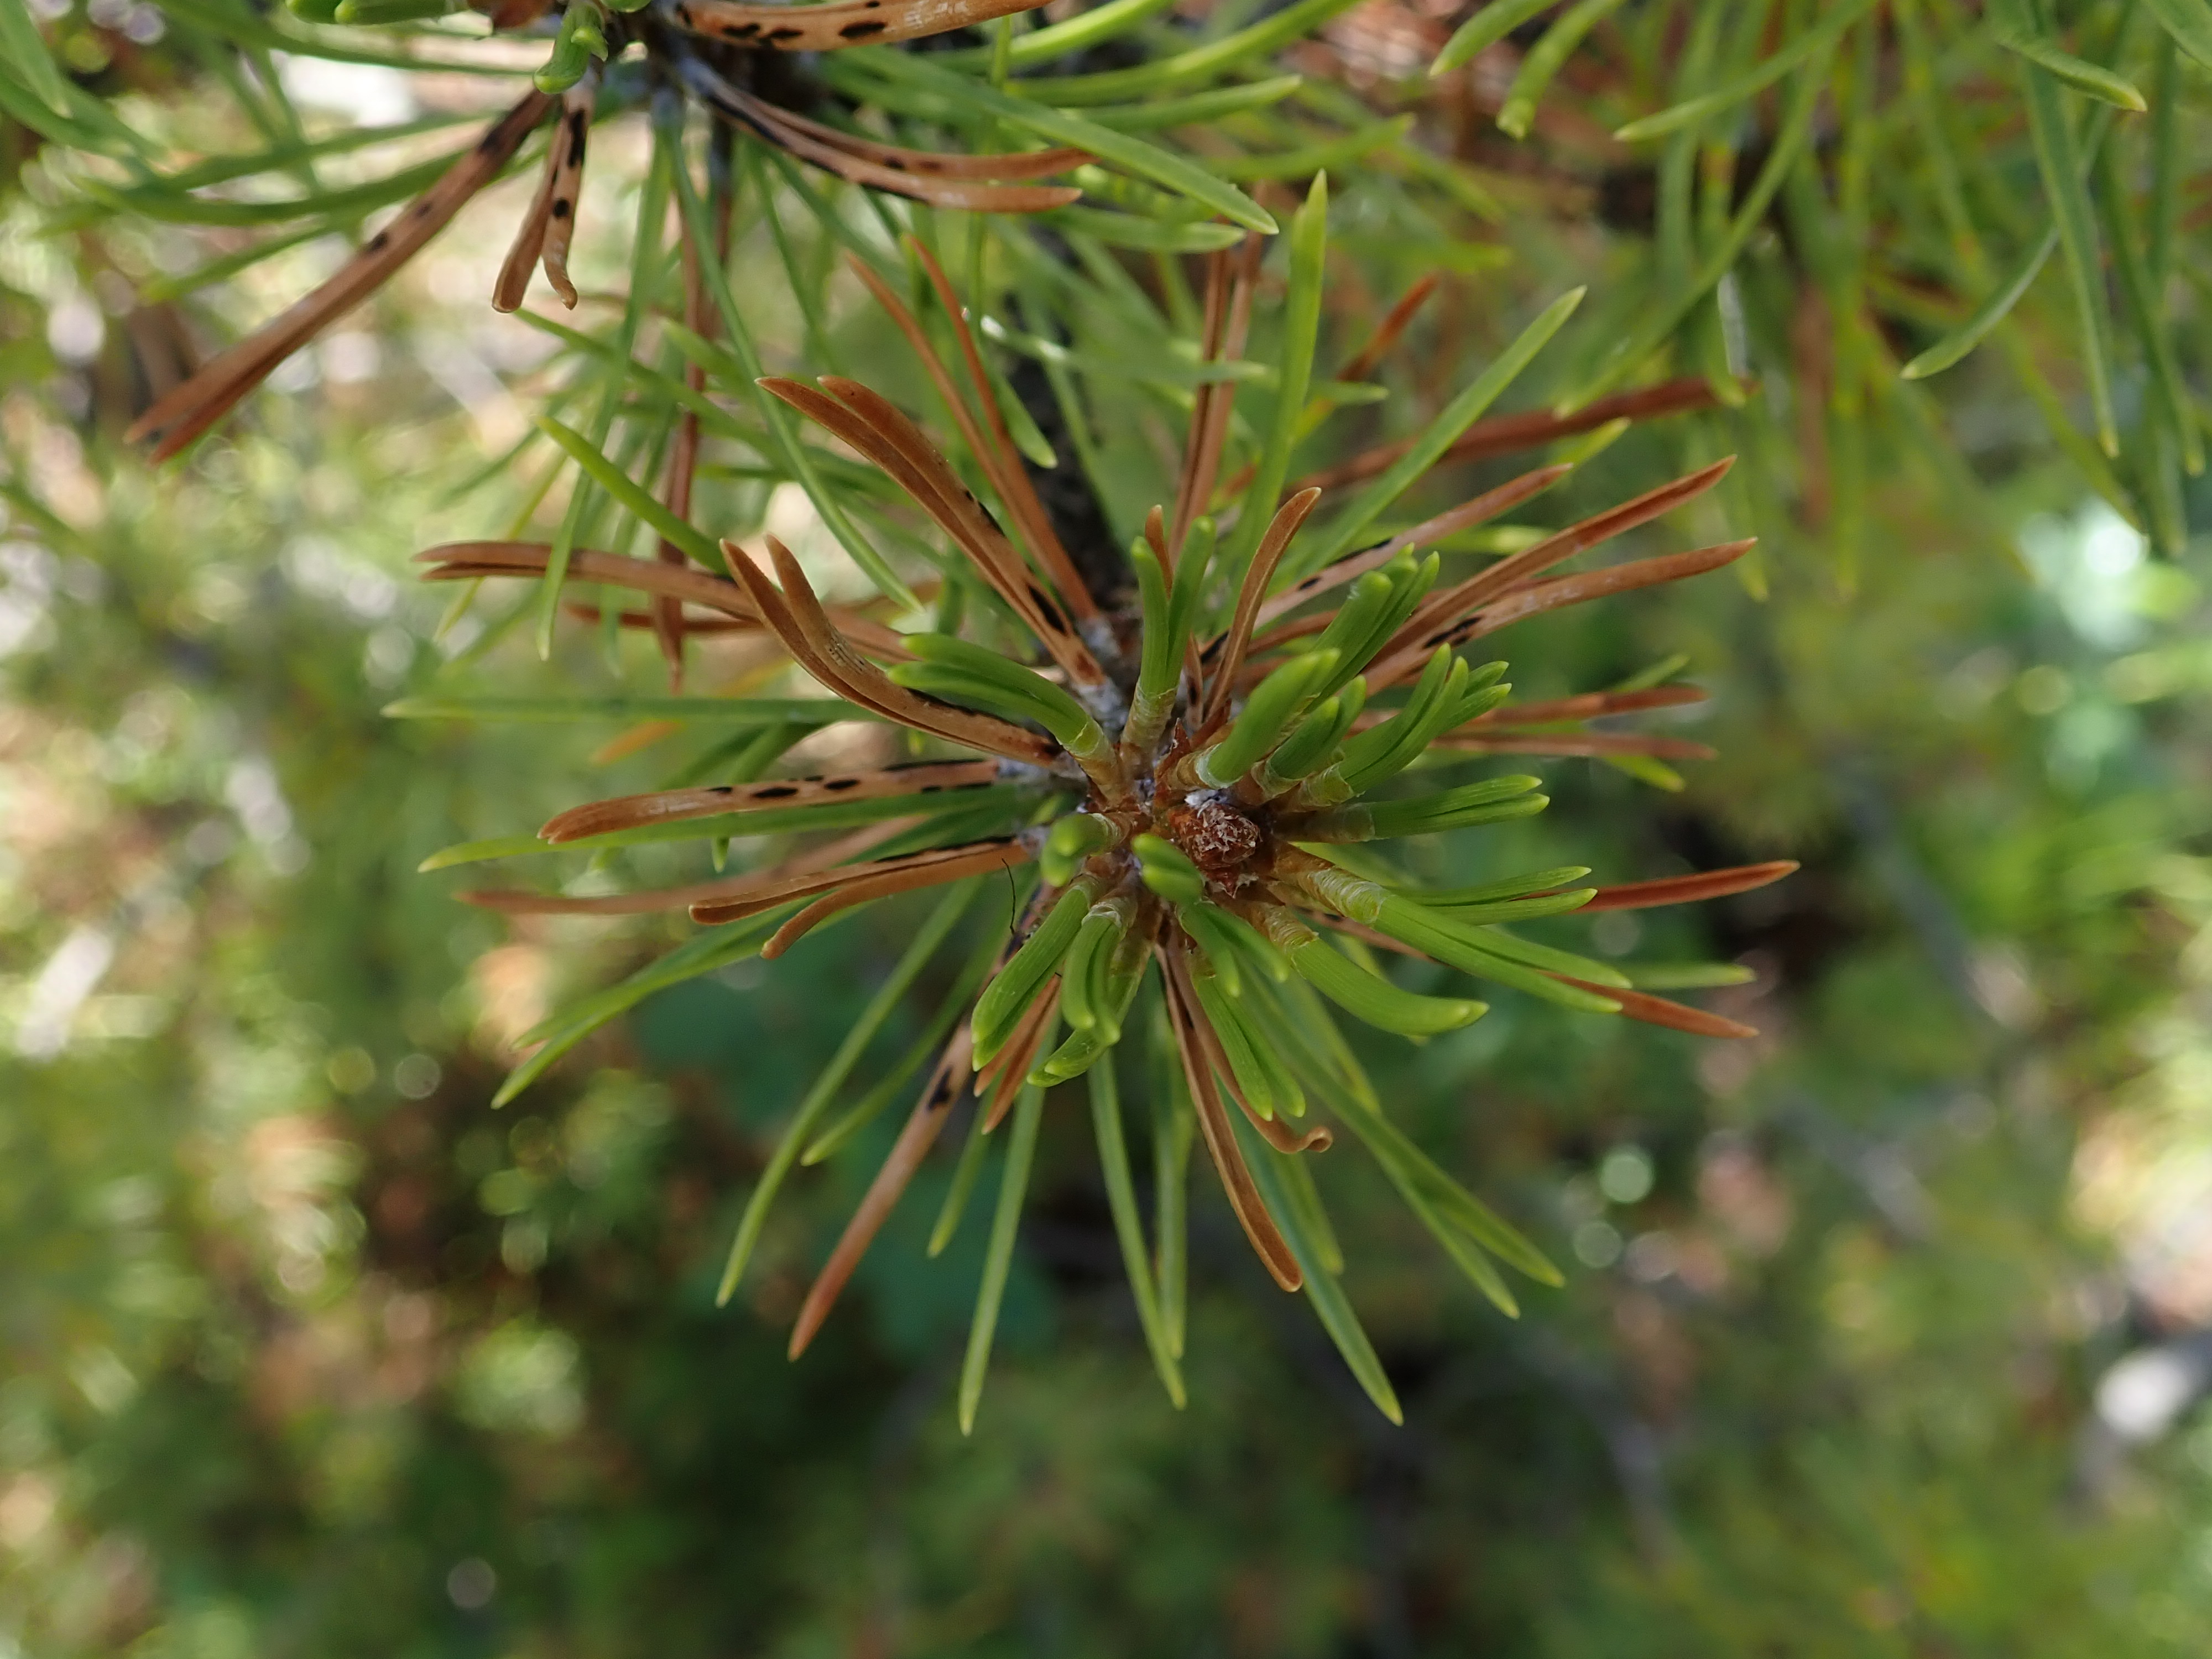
1589,705
1209,420
1687,889
1220,1138
862,679
1388,331
1019,493
1059,636
1441,611
641,620
189,410
467,561
1468,513
1553,595
766,893
1501,434
844,23
566,161
827,855
995,454
601,817
947,1084
514,272
1017,164
1586,743
1600,584
700,317
1658,1011
1274,1131
1231,645
930,164
1000,1083
1219,271
833,152
890,882
769,604
882,435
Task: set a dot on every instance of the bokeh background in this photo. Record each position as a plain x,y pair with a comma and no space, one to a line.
1883,1333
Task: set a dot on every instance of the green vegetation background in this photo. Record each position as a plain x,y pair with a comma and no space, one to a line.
308,1352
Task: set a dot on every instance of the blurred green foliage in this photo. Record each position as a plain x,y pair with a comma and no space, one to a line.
308,1351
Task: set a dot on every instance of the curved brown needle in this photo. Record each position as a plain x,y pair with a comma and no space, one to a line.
601,817
1501,434
1587,585
1015,490
1277,1133
1687,889
921,163
801,643
1209,418
570,142
1477,510
180,417
765,895
1220,1138
1059,636
869,889
863,678
992,456
1231,645
844,23
807,140
515,271
1553,595
466,561
947,1084
1440,611
1589,705
1481,741
985,548
675,898
1018,164
1658,1011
